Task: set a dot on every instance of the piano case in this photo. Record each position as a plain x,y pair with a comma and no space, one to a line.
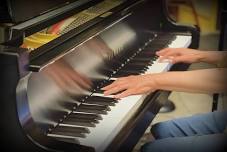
35,112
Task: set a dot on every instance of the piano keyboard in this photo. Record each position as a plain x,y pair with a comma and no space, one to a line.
98,119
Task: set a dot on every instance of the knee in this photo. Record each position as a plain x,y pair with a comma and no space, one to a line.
161,130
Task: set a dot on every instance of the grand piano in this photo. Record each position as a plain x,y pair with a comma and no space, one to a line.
101,41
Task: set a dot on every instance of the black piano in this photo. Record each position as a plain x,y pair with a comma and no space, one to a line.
98,41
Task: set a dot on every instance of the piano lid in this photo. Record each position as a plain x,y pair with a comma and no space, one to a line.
16,11
22,17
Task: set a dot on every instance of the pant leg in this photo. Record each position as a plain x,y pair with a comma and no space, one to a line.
203,124
205,143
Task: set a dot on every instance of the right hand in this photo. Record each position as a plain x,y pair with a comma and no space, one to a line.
176,55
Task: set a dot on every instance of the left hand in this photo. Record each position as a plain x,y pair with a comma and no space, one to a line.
131,85
66,77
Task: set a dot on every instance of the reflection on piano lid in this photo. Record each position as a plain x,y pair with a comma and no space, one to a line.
58,103
102,9
16,11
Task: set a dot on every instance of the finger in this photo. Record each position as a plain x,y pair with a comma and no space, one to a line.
116,89
115,83
125,93
171,54
163,51
165,59
112,85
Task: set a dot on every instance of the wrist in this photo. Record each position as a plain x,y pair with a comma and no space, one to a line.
202,56
212,57
155,80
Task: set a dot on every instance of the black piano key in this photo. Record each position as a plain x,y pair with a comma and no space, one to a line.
93,120
134,67
85,115
107,71
141,55
98,91
106,103
131,72
79,123
69,140
151,53
143,60
140,62
114,63
159,42
146,54
153,56
70,131
134,73
139,66
152,49
97,82
108,82
99,98
134,62
101,101
124,74
156,46
87,122
98,109
118,75
145,64
71,134
79,98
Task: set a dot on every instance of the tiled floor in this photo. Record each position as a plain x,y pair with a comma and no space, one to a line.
187,103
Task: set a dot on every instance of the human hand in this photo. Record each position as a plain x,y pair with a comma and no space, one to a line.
66,77
131,85
176,55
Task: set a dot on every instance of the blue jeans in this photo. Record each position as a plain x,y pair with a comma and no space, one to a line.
200,133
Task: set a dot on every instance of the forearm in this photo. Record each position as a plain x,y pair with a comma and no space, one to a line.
213,57
199,81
